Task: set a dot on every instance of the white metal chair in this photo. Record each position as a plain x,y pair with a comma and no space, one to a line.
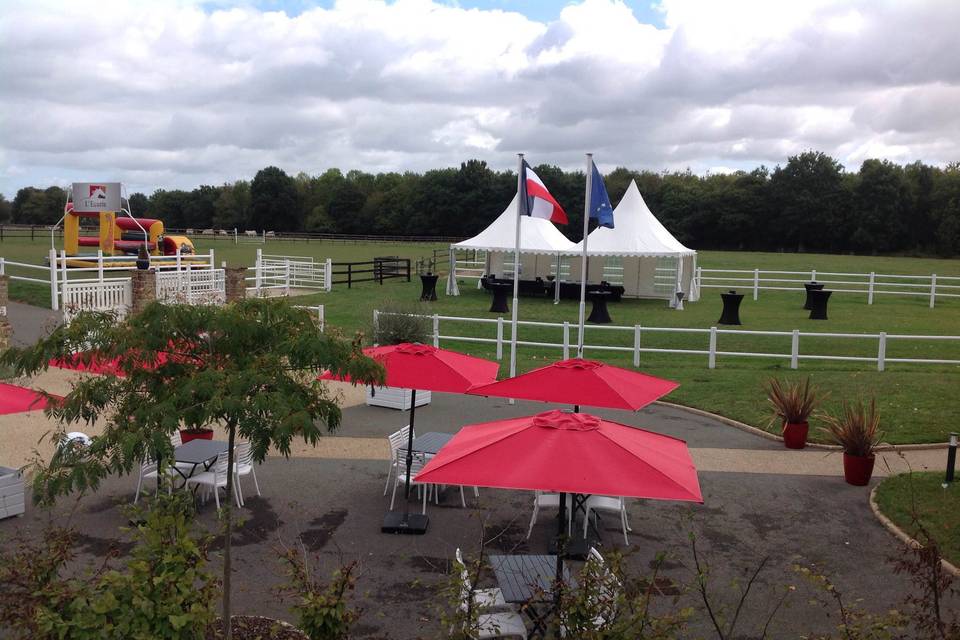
398,440
482,598
610,505
148,471
215,478
243,466
543,500
184,467
400,476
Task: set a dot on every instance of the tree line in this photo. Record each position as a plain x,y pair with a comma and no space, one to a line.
809,204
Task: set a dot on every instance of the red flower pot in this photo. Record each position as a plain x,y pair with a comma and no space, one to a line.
795,434
857,469
187,436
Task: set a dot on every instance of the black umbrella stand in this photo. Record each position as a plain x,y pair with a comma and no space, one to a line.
407,523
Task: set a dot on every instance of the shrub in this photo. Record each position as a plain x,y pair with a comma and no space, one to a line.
323,610
399,323
792,401
856,429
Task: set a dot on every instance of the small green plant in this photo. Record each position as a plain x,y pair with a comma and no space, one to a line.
792,401
856,429
399,323
323,609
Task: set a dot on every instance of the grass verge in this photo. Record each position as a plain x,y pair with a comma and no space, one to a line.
937,509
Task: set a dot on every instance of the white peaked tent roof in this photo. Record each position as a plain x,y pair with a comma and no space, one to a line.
537,235
636,232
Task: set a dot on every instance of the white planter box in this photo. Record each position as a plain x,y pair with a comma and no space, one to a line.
395,398
11,493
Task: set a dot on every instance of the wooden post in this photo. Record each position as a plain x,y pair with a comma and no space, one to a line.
712,357
499,337
795,349
933,290
870,285
756,283
882,351
436,331
636,345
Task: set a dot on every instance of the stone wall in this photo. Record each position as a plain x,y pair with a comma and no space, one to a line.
143,289
235,283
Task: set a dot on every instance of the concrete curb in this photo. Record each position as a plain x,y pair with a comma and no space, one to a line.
810,445
900,533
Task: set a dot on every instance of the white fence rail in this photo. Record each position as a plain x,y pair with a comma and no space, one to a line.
108,294
870,284
711,350
290,272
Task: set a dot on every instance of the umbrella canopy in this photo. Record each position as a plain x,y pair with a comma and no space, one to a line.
565,452
421,366
14,399
582,382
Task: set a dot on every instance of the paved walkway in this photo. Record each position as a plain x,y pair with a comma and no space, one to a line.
30,323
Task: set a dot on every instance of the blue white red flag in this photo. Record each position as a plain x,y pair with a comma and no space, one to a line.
600,208
536,201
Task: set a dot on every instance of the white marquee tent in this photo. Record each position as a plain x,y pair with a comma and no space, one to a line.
638,253
541,246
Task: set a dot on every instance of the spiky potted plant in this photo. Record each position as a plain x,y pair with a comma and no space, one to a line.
792,403
857,430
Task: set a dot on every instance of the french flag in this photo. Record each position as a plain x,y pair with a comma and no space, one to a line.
536,201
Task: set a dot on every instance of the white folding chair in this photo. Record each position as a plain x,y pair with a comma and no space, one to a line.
482,598
215,478
243,466
398,440
610,505
400,476
543,500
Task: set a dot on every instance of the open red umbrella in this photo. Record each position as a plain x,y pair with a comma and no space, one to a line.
564,452
582,382
420,366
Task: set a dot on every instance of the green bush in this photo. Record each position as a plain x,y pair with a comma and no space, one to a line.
399,323
323,611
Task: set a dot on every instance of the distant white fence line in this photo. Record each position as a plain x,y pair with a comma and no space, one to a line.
712,352
290,272
872,284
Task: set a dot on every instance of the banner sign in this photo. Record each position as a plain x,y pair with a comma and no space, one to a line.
90,197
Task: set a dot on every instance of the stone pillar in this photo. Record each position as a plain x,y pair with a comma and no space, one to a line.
235,283
143,289
6,331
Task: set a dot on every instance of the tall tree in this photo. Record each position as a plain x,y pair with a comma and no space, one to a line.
882,208
231,210
810,200
273,201
6,209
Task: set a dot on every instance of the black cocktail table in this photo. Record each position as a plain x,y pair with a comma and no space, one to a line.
810,286
428,293
499,289
731,308
818,303
599,313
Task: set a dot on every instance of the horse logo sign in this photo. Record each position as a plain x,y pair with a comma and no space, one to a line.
89,197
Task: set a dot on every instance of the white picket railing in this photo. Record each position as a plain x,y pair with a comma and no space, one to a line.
712,351
871,284
290,272
108,294
192,286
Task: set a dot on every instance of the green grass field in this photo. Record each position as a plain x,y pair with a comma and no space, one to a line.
918,401
900,497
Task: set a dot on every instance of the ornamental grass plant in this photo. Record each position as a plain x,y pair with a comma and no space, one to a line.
856,429
792,401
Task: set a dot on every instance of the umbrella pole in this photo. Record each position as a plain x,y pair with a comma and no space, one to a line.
407,523
561,548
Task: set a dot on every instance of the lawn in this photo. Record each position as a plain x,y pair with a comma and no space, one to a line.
917,401
899,497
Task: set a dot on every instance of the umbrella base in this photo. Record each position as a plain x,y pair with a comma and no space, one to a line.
414,524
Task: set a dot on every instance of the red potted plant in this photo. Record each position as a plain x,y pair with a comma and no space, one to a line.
792,403
195,433
857,431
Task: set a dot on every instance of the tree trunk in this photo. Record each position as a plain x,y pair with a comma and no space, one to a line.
228,511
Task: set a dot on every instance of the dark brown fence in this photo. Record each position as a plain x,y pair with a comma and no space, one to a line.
376,270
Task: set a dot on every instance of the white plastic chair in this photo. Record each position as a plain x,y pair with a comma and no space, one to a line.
243,466
543,500
78,437
610,505
482,598
148,471
215,478
184,467
398,440
400,476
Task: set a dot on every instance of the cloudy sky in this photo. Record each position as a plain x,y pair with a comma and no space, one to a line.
177,94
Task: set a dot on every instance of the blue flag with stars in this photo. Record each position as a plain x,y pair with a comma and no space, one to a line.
600,208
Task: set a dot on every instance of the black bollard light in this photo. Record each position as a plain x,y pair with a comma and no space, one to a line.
951,457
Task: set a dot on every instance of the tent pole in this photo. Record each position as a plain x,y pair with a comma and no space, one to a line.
583,258
516,270
556,280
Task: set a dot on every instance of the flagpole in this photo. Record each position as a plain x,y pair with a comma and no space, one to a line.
516,272
583,258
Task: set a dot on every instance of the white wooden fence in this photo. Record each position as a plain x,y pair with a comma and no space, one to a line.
871,284
192,286
108,294
712,350
290,272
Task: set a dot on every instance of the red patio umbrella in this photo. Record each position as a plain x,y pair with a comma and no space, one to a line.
14,399
419,366
564,452
582,382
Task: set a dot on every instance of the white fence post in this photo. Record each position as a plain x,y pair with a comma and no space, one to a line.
712,358
258,268
873,277
756,283
566,340
882,351
54,293
328,276
63,275
436,330
636,345
376,325
236,240
813,276
499,337
213,261
795,349
699,278
286,275
933,289
100,265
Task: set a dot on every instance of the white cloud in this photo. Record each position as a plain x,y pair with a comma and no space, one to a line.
173,94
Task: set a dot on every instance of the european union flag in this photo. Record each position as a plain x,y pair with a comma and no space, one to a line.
600,208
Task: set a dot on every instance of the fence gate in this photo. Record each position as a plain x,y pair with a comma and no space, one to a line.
290,272
192,286
108,294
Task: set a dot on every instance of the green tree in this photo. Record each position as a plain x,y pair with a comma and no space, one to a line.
139,205
231,210
273,201
250,366
6,209
810,199
33,206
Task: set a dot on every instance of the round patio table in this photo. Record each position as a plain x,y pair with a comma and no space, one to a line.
818,303
500,289
599,313
810,286
731,308
428,292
